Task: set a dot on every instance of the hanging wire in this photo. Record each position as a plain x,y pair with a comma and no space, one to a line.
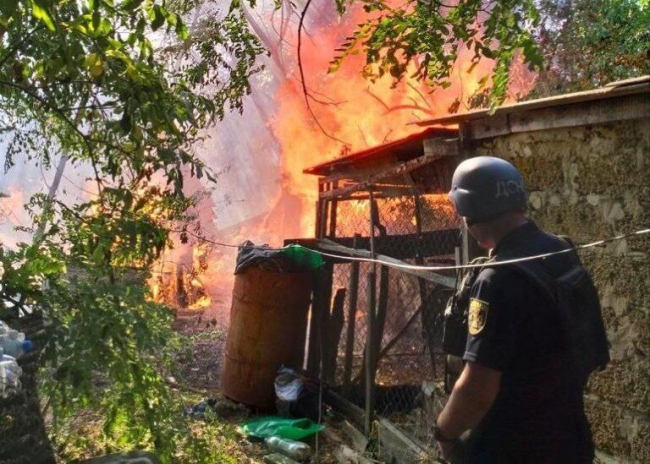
444,268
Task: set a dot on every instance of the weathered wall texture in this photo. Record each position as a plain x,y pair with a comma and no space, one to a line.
590,183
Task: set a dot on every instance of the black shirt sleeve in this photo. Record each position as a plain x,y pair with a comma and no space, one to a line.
497,306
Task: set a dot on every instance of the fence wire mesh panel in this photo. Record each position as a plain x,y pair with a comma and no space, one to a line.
417,230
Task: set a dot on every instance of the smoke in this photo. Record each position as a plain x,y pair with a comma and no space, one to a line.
261,193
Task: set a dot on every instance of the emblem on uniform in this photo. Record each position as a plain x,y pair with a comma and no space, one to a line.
478,311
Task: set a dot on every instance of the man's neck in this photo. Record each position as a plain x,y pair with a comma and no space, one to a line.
507,223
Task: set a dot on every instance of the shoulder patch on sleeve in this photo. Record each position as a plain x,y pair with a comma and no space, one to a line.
478,312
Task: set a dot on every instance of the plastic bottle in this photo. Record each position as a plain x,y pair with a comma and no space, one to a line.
10,373
14,343
294,449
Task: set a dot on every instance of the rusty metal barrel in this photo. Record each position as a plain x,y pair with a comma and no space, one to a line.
268,325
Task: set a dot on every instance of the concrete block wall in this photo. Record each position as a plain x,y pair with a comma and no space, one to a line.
590,183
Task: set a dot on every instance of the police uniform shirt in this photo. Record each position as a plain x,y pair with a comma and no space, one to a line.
513,329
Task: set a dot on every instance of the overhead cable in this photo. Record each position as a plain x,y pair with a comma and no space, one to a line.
443,268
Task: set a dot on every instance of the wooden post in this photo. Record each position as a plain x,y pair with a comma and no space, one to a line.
333,213
317,311
428,317
370,335
380,319
326,293
317,222
382,303
319,210
313,351
352,316
318,323
370,350
335,326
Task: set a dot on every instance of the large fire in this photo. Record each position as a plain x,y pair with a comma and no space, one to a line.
11,207
346,113
349,113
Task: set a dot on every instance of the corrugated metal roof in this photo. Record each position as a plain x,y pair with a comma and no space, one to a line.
411,147
614,89
406,148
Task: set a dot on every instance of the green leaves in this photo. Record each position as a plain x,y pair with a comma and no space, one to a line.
41,12
425,39
131,5
592,43
157,17
223,62
81,80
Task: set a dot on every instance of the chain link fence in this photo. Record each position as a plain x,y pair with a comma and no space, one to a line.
408,309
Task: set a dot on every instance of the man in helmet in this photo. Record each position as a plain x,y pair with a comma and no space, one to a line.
517,399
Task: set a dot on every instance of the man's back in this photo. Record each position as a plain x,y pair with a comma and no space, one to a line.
538,415
520,391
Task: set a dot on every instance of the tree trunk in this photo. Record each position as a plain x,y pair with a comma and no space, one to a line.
23,437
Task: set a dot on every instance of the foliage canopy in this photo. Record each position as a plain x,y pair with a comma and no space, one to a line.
574,45
424,39
589,43
81,83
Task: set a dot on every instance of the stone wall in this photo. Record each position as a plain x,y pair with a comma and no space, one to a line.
590,183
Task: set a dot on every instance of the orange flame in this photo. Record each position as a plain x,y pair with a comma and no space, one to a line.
349,113
346,113
11,207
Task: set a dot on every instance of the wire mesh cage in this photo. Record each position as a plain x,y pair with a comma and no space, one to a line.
377,318
408,309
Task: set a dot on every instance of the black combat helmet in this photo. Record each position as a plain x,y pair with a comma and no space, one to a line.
484,187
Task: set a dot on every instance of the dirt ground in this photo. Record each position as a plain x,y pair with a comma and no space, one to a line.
207,329
200,367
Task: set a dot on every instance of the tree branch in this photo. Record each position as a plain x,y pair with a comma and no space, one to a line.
15,47
303,14
55,110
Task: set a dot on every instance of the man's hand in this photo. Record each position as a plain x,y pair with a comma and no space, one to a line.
446,449
472,397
